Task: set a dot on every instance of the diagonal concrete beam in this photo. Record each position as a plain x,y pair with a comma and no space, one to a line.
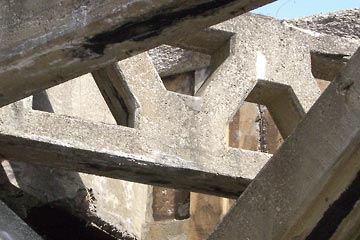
51,42
311,184
109,150
121,102
12,227
281,102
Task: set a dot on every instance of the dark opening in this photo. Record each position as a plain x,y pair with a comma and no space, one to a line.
54,223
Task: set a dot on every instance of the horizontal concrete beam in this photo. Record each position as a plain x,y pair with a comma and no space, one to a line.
309,187
102,149
49,42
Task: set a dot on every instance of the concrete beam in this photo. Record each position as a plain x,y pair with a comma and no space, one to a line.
207,41
281,102
12,227
116,92
158,148
96,148
311,184
329,53
49,42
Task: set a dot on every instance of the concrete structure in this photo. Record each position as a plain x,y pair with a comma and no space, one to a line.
342,23
123,122
74,38
310,186
12,227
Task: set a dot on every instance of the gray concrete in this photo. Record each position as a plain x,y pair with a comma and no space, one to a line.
245,65
30,142
345,23
311,170
337,30
51,42
13,228
144,152
172,60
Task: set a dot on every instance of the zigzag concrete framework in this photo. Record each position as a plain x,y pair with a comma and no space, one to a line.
179,141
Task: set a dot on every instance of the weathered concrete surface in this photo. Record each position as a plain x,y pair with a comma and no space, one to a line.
206,213
167,230
51,42
337,27
345,23
114,159
16,199
322,45
158,143
121,205
172,60
299,193
206,116
13,228
122,103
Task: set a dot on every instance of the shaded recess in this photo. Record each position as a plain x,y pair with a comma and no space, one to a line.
181,70
55,223
268,116
325,67
252,128
189,63
72,218
183,83
73,99
117,94
114,96
206,51
185,68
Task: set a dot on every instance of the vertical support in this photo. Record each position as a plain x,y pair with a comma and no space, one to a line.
121,102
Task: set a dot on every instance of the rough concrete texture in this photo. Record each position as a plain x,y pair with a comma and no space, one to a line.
171,60
167,230
52,42
122,205
181,132
344,23
13,228
15,198
303,192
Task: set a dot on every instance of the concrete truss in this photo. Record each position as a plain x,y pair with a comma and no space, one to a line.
173,140
45,43
310,186
153,148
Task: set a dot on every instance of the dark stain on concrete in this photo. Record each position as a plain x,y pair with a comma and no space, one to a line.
337,211
150,27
